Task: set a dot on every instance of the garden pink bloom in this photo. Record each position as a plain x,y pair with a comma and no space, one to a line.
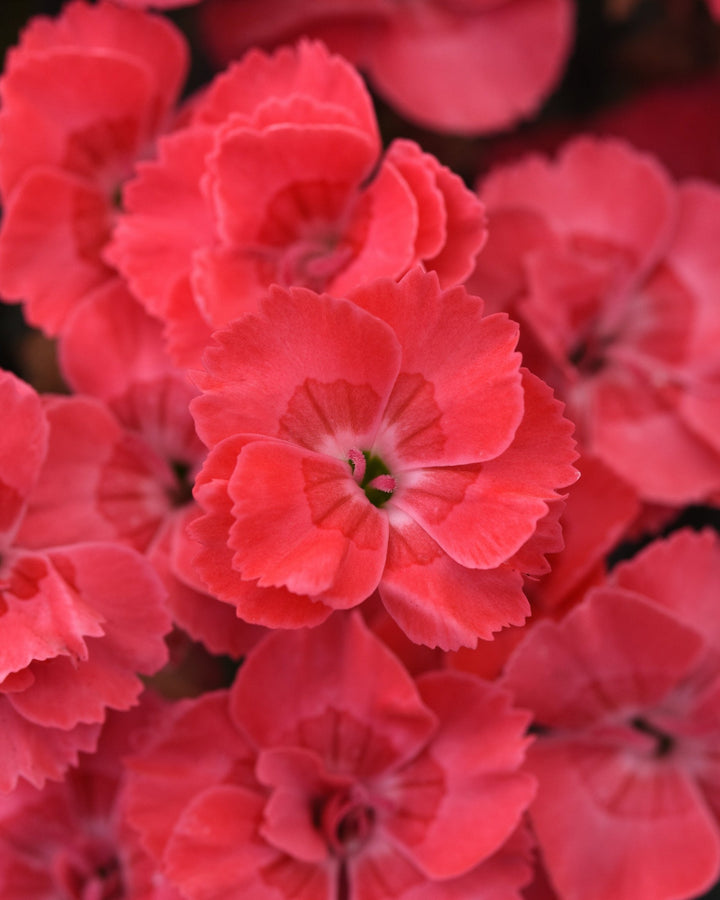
83,97
465,66
392,442
619,312
625,696
335,775
279,178
69,839
149,396
78,622
104,481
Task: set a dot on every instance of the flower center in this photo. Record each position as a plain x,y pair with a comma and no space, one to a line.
313,262
664,742
373,476
589,355
89,872
182,493
346,822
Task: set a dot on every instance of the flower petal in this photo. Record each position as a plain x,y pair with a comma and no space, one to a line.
330,364
436,601
459,398
482,515
339,692
484,793
301,522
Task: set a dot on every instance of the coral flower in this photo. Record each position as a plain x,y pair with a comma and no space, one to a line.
83,97
280,179
625,695
129,474
334,775
69,839
620,313
390,441
78,622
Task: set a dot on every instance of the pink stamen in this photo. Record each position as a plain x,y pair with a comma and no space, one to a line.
357,459
384,483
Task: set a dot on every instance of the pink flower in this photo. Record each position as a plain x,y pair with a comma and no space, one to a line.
78,622
625,695
279,179
392,442
619,311
132,485
83,96
465,66
335,775
69,839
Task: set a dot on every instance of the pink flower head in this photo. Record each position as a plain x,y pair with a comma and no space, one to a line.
69,839
103,481
465,66
620,311
335,775
625,692
392,442
279,179
83,97
77,622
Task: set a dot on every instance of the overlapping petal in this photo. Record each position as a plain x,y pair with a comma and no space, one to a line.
618,315
626,720
334,772
83,97
22,451
327,391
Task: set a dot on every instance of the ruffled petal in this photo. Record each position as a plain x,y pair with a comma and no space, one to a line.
301,522
23,446
646,833
438,602
339,692
476,760
481,515
329,392
458,398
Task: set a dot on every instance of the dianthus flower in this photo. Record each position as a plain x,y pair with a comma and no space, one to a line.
625,696
279,179
619,311
127,477
387,440
69,840
336,776
78,622
83,97
465,66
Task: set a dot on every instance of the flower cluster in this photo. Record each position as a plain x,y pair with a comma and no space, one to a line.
308,566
